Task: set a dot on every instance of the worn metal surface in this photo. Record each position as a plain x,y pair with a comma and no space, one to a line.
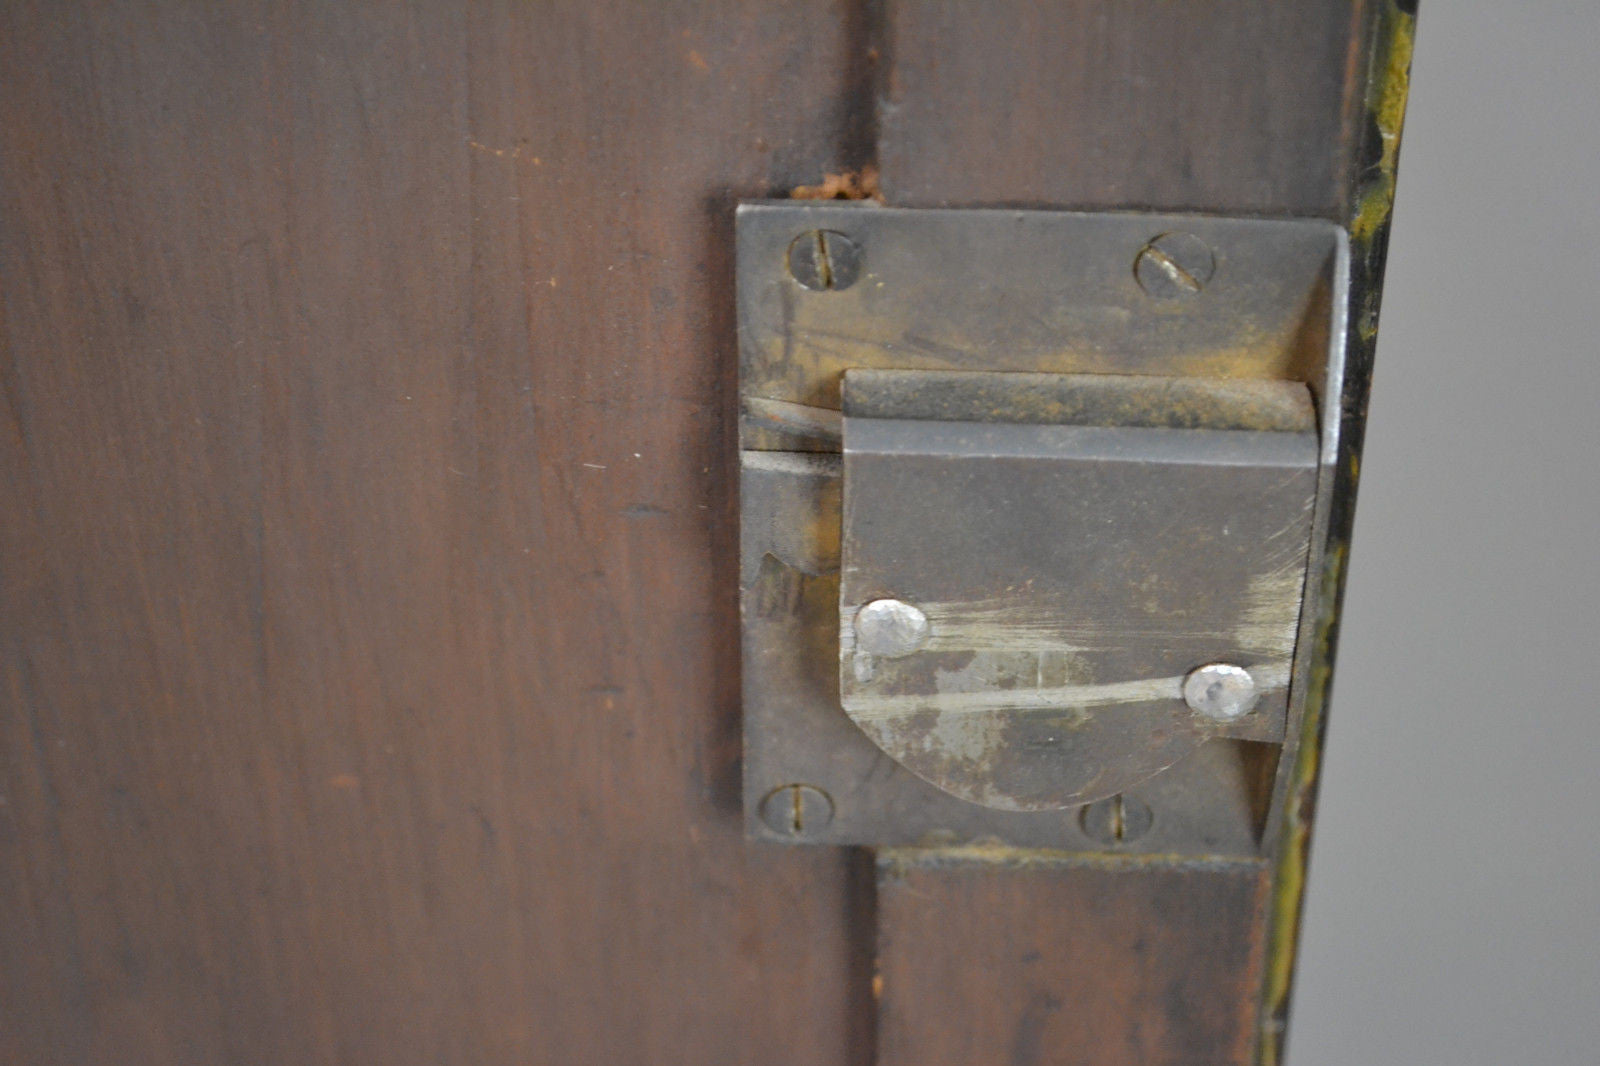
1030,293
1132,400
1071,576
1212,803
1049,291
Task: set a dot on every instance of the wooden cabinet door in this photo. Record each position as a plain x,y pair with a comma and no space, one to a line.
370,634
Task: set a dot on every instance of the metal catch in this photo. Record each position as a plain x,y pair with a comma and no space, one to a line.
1028,505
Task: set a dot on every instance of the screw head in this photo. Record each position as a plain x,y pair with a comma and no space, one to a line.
1118,820
1221,691
1174,265
891,628
795,810
825,260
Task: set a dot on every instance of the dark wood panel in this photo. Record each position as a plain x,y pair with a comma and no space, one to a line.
1038,963
1239,107
369,638
368,641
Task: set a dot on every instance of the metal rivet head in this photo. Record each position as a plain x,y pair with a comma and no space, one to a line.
1118,820
1220,690
1174,265
891,627
824,260
795,810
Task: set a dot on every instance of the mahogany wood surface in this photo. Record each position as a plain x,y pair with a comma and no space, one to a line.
370,632
1152,964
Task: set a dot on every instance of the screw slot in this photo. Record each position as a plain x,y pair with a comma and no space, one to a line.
795,810
824,260
1174,265
1115,821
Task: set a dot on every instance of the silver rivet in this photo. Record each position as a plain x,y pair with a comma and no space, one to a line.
890,627
795,810
1220,690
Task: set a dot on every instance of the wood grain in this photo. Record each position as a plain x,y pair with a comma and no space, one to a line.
369,632
1243,107
368,648
1050,964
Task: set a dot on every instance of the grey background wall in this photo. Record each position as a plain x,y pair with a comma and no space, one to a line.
1454,908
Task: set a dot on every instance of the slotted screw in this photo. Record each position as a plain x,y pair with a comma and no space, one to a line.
824,260
1118,820
1174,265
795,810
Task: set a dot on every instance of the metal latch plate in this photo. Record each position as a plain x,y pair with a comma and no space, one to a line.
1071,551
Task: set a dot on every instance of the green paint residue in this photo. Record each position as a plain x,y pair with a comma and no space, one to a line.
1386,102
1294,847
1388,83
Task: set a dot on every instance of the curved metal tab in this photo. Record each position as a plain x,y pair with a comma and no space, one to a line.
1071,575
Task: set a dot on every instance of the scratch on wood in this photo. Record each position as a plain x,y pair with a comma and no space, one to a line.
514,152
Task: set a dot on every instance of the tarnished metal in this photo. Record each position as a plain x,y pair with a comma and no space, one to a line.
1046,291
824,260
1130,400
1212,802
795,810
1071,577
1174,265
1046,298
1116,821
